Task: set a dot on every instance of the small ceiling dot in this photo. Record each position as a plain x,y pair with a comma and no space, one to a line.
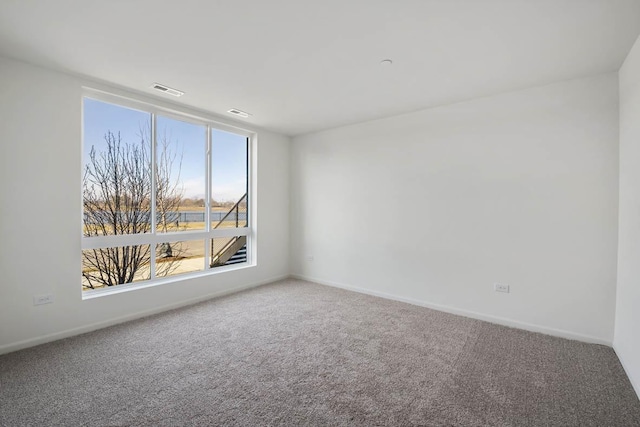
386,62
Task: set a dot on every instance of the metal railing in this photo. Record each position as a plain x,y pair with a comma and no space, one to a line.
217,256
172,217
235,208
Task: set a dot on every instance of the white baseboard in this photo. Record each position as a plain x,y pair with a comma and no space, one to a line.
472,314
8,348
625,366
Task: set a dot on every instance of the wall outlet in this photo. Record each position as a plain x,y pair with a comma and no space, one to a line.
499,287
43,299
310,258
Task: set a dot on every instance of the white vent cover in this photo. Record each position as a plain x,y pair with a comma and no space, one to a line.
167,89
239,113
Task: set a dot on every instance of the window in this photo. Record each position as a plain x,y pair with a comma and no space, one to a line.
163,195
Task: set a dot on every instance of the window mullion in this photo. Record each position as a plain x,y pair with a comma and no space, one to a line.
154,171
207,202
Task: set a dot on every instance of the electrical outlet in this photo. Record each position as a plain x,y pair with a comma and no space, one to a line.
499,287
43,299
310,258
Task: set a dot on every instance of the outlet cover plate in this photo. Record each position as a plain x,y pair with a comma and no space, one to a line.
43,299
500,287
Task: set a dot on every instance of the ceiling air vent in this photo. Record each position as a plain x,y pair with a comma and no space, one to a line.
239,113
167,89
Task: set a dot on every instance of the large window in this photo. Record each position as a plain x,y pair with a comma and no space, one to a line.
163,195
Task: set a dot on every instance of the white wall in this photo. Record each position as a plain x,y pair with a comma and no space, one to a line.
40,148
431,207
435,206
627,330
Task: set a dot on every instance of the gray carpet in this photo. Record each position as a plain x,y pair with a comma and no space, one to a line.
295,353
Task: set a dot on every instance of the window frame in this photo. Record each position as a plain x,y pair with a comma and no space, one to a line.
153,238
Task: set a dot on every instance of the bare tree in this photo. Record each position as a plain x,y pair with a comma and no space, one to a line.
117,200
169,194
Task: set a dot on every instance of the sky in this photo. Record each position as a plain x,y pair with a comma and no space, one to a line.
187,141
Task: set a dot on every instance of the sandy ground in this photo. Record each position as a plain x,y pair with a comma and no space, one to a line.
191,259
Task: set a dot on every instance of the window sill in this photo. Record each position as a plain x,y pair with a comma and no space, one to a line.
97,293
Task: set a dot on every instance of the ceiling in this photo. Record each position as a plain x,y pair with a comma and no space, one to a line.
299,66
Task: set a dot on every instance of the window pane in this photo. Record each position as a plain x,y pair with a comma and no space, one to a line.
116,185
229,183
179,257
180,181
114,266
228,251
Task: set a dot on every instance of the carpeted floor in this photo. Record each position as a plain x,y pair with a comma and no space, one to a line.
295,353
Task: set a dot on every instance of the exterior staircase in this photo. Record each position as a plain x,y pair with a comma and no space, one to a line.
238,257
235,250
